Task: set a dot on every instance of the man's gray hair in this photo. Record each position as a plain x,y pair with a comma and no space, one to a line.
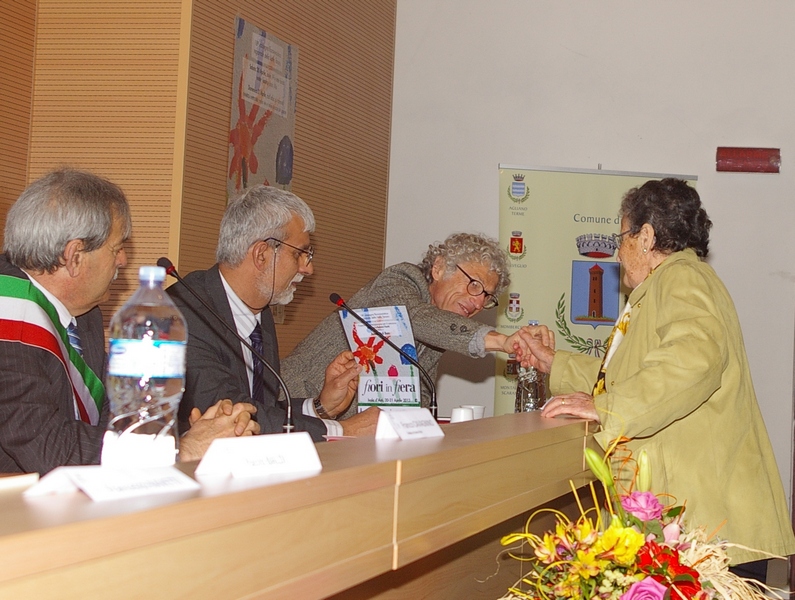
63,205
469,247
258,214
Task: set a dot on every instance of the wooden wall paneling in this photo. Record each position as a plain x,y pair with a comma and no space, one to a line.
342,149
17,38
139,91
207,132
341,139
105,99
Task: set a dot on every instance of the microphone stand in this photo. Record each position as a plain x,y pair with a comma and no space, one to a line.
433,407
288,426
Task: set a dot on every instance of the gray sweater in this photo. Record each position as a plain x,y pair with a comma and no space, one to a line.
435,331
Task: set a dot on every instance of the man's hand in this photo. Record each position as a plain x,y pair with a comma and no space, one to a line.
222,419
341,383
240,412
361,424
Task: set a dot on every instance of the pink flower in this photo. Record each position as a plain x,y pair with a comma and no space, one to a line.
645,589
643,505
671,532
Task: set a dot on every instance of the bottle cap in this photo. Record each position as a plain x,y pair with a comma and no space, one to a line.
151,274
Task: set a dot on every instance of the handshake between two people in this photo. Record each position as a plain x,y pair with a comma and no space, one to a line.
534,346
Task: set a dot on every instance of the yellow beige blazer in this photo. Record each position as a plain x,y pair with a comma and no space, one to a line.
679,386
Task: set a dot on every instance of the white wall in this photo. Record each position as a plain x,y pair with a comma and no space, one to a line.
635,86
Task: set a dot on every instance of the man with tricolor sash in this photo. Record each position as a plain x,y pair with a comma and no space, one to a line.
63,245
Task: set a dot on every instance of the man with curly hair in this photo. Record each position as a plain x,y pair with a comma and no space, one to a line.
455,280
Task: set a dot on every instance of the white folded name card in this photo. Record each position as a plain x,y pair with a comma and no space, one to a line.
257,455
103,483
407,424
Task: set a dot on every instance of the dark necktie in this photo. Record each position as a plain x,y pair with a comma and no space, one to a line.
257,385
74,338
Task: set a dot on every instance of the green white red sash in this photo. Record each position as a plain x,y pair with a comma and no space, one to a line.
27,317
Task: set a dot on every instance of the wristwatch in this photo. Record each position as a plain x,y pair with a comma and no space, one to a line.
321,412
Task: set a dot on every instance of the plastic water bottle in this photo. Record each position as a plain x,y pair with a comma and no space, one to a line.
531,392
145,377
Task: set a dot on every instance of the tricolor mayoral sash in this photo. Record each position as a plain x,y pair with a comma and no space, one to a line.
27,317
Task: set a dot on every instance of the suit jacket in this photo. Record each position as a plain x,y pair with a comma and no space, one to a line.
215,365
435,331
679,386
38,430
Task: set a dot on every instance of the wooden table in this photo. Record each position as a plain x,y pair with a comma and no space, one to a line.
360,528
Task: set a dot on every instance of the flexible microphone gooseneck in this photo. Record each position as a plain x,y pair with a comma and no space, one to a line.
336,299
288,426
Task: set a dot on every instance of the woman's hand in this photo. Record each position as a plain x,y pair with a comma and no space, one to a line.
578,404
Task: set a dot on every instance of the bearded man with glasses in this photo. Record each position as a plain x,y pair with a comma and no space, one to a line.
263,252
454,281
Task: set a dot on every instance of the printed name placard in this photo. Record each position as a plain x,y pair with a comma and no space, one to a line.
103,483
407,424
258,455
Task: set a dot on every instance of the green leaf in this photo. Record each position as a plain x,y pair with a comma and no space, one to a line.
675,511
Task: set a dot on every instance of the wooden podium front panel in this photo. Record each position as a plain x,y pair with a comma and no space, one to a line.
299,554
456,493
288,540
358,528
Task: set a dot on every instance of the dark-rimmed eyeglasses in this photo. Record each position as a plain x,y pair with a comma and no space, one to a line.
475,288
619,237
309,253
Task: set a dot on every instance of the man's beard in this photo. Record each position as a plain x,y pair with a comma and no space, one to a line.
285,296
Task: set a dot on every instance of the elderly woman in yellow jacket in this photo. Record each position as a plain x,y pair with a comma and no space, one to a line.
675,378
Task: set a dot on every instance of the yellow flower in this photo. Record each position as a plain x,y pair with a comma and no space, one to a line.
584,533
568,588
620,543
586,565
546,550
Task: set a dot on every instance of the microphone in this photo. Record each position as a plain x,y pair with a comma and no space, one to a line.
336,299
288,426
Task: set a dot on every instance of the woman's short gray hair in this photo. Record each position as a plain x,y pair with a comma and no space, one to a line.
63,205
469,247
258,214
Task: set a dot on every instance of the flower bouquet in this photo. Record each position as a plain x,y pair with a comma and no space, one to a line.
637,549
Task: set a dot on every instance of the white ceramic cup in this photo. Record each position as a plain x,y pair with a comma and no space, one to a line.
461,414
478,410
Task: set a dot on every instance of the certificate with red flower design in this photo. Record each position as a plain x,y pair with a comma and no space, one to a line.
387,379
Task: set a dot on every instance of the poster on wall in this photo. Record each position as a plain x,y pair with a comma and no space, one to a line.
262,125
557,226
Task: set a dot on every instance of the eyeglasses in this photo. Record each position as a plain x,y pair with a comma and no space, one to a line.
309,253
619,237
475,288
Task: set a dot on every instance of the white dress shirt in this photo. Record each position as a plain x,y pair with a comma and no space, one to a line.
245,321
